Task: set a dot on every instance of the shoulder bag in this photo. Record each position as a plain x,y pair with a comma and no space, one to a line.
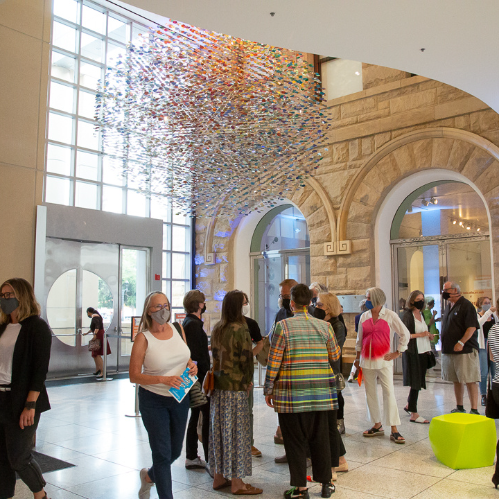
196,396
491,408
263,355
94,345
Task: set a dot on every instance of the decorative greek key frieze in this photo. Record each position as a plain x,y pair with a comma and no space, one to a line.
338,248
210,259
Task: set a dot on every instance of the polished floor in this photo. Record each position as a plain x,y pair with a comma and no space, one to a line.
87,427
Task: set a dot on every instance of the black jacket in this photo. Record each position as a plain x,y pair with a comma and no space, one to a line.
414,370
340,333
197,341
30,364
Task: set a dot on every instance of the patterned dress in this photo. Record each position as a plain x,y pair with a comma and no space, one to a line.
230,436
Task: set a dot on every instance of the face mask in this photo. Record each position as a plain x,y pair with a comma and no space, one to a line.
203,310
246,309
485,307
319,314
445,295
8,305
161,316
286,303
314,301
369,305
419,304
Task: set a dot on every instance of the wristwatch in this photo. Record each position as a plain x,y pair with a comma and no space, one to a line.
30,405
461,343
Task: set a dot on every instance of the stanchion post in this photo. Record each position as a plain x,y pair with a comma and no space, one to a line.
104,353
137,411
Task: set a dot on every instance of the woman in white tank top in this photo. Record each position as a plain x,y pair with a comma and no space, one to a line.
159,356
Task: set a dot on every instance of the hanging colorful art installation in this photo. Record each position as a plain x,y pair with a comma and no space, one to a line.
212,122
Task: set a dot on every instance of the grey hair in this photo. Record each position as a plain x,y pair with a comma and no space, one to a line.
376,296
362,304
320,288
455,285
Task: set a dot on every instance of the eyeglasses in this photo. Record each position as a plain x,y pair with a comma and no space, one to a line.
284,297
160,307
7,295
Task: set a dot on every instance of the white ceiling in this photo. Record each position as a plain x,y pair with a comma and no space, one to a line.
460,37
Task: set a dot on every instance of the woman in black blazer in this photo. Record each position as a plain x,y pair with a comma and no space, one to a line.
415,360
25,341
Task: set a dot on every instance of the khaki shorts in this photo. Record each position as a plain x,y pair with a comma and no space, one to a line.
461,367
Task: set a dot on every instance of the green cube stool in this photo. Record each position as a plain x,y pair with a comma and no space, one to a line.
463,441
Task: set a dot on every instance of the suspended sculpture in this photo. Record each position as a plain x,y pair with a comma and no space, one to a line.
202,118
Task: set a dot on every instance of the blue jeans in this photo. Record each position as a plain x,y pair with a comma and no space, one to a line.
485,365
165,420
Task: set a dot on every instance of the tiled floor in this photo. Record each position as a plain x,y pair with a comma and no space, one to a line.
87,427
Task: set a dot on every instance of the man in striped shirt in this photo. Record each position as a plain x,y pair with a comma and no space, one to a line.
299,386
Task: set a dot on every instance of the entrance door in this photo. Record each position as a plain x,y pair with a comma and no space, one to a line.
79,275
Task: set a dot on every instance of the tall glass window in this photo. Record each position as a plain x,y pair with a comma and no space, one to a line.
87,38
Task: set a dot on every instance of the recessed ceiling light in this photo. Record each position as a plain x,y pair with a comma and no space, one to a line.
357,73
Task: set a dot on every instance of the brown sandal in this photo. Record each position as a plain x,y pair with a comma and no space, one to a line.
227,483
248,491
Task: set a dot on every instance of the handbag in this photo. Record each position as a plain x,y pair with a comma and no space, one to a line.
263,355
340,381
432,361
209,383
197,397
491,408
94,345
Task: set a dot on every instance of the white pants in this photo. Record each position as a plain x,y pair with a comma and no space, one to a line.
391,415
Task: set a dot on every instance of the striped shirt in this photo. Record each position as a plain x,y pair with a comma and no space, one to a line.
299,375
493,342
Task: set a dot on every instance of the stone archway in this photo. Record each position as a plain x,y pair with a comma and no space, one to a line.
462,154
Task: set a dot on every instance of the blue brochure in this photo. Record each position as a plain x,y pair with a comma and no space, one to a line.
187,382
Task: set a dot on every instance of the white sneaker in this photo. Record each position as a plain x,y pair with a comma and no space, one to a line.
145,487
195,464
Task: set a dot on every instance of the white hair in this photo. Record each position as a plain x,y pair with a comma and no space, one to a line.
376,296
320,288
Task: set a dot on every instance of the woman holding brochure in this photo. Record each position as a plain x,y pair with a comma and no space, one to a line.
230,435
159,357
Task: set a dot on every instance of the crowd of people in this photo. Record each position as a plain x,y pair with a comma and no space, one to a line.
303,379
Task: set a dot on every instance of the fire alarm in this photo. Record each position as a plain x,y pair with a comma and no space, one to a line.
157,277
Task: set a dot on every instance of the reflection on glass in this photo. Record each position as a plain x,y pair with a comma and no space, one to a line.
118,30
180,266
181,239
90,75
298,267
136,204
88,137
133,291
59,159
67,9
288,230
179,289
63,67
86,196
166,265
86,105
95,293
92,47
112,199
60,128
93,19
61,308
112,170
87,165
61,97
64,37
58,190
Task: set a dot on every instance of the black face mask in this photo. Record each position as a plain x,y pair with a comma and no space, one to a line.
203,310
319,314
286,303
314,301
445,295
419,304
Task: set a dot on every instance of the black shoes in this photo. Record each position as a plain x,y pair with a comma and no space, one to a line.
327,489
97,373
484,400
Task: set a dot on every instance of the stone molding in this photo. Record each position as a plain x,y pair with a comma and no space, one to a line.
389,147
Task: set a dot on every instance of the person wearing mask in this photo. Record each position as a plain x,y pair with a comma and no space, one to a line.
460,358
430,319
415,358
256,338
97,329
25,341
159,356
354,371
375,354
328,309
486,320
493,349
230,439
316,288
197,341
303,397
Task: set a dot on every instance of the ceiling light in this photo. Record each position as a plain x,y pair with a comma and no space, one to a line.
357,73
433,200
468,227
478,229
461,224
454,222
424,202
